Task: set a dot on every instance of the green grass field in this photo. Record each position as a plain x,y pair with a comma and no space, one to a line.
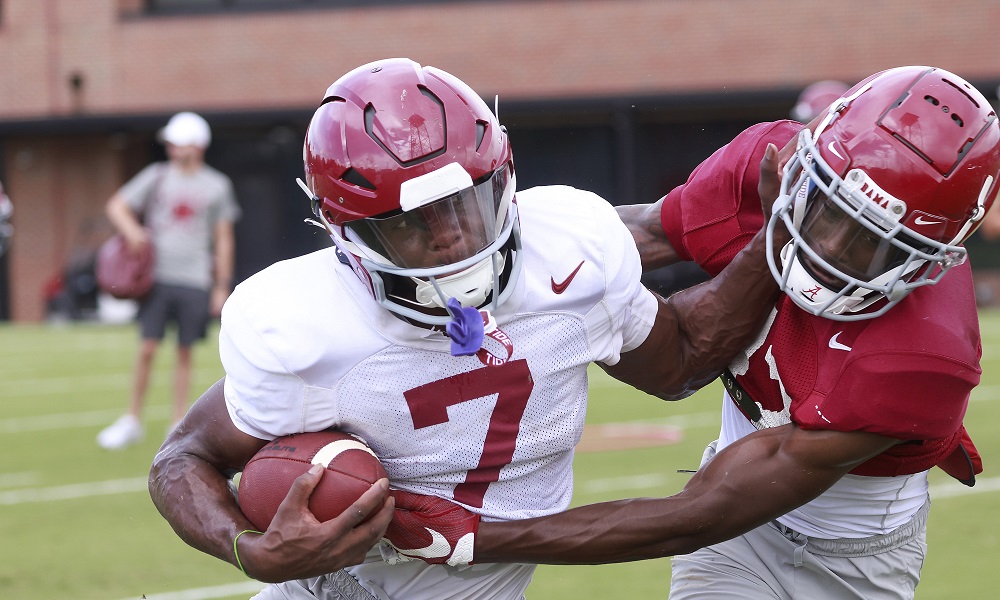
76,522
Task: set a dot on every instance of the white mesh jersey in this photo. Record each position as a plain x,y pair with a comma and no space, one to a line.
305,348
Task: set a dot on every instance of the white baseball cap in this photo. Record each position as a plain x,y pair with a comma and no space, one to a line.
186,129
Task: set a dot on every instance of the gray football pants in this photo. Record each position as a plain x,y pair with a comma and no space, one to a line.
773,562
335,586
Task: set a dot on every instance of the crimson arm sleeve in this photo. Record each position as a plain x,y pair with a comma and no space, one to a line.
712,216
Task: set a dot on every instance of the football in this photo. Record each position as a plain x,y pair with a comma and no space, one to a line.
351,468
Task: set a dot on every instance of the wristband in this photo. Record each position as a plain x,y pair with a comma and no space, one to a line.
236,552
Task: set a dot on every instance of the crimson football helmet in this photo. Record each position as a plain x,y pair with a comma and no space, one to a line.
816,99
412,175
880,197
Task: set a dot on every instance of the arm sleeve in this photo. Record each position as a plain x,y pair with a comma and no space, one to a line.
264,399
139,190
713,215
900,390
229,208
621,321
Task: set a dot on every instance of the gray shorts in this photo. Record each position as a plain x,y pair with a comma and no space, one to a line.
773,562
185,306
339,585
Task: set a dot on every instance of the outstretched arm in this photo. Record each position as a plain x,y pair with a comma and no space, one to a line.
188,485
697,331
756,479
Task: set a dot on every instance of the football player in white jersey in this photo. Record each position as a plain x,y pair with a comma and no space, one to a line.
450,325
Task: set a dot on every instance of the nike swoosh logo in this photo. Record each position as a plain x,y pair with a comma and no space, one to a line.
923,221
833,150
561,287
438,548
837,345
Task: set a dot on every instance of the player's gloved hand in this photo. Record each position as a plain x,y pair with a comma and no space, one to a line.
431,529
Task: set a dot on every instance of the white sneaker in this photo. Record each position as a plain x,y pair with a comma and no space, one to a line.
124,432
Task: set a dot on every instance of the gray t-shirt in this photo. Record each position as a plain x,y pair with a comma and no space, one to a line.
181,210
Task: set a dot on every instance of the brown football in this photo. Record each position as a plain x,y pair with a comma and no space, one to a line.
351,468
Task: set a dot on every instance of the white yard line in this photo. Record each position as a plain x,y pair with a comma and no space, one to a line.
71,420
12,386
952,489
73,491
607,484
617,484
18,480
986,392
207,593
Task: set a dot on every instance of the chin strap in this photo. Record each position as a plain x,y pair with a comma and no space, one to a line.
977,214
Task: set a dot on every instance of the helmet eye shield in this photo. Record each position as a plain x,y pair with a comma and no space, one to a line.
850,223
854,247
439,232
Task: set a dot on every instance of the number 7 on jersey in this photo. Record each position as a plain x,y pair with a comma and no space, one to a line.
512,383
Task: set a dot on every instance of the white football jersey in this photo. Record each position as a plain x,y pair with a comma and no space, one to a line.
306,348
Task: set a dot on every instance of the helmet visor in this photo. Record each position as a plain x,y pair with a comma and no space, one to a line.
443,232
846,242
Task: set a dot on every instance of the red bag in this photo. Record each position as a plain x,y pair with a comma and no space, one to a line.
122,273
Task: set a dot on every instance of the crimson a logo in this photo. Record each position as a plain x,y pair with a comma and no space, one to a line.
811,293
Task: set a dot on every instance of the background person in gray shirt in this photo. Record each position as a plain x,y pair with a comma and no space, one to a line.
186,209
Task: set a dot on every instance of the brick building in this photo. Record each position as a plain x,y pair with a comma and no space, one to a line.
622,97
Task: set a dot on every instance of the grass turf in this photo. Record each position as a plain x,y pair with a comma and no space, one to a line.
76,521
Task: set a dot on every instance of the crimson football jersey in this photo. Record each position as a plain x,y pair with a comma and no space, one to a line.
907,374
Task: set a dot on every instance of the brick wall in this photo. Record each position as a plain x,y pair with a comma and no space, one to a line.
129,64
529,49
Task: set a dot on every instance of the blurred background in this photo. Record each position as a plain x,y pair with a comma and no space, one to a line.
618,97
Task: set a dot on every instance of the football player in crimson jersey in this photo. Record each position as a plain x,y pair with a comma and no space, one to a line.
451,326
856,385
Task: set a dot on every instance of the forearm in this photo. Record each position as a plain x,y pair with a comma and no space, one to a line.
708,510
696,332
188,478
122,218
610,532
212,522
188,485
755,480
719,318
224,255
